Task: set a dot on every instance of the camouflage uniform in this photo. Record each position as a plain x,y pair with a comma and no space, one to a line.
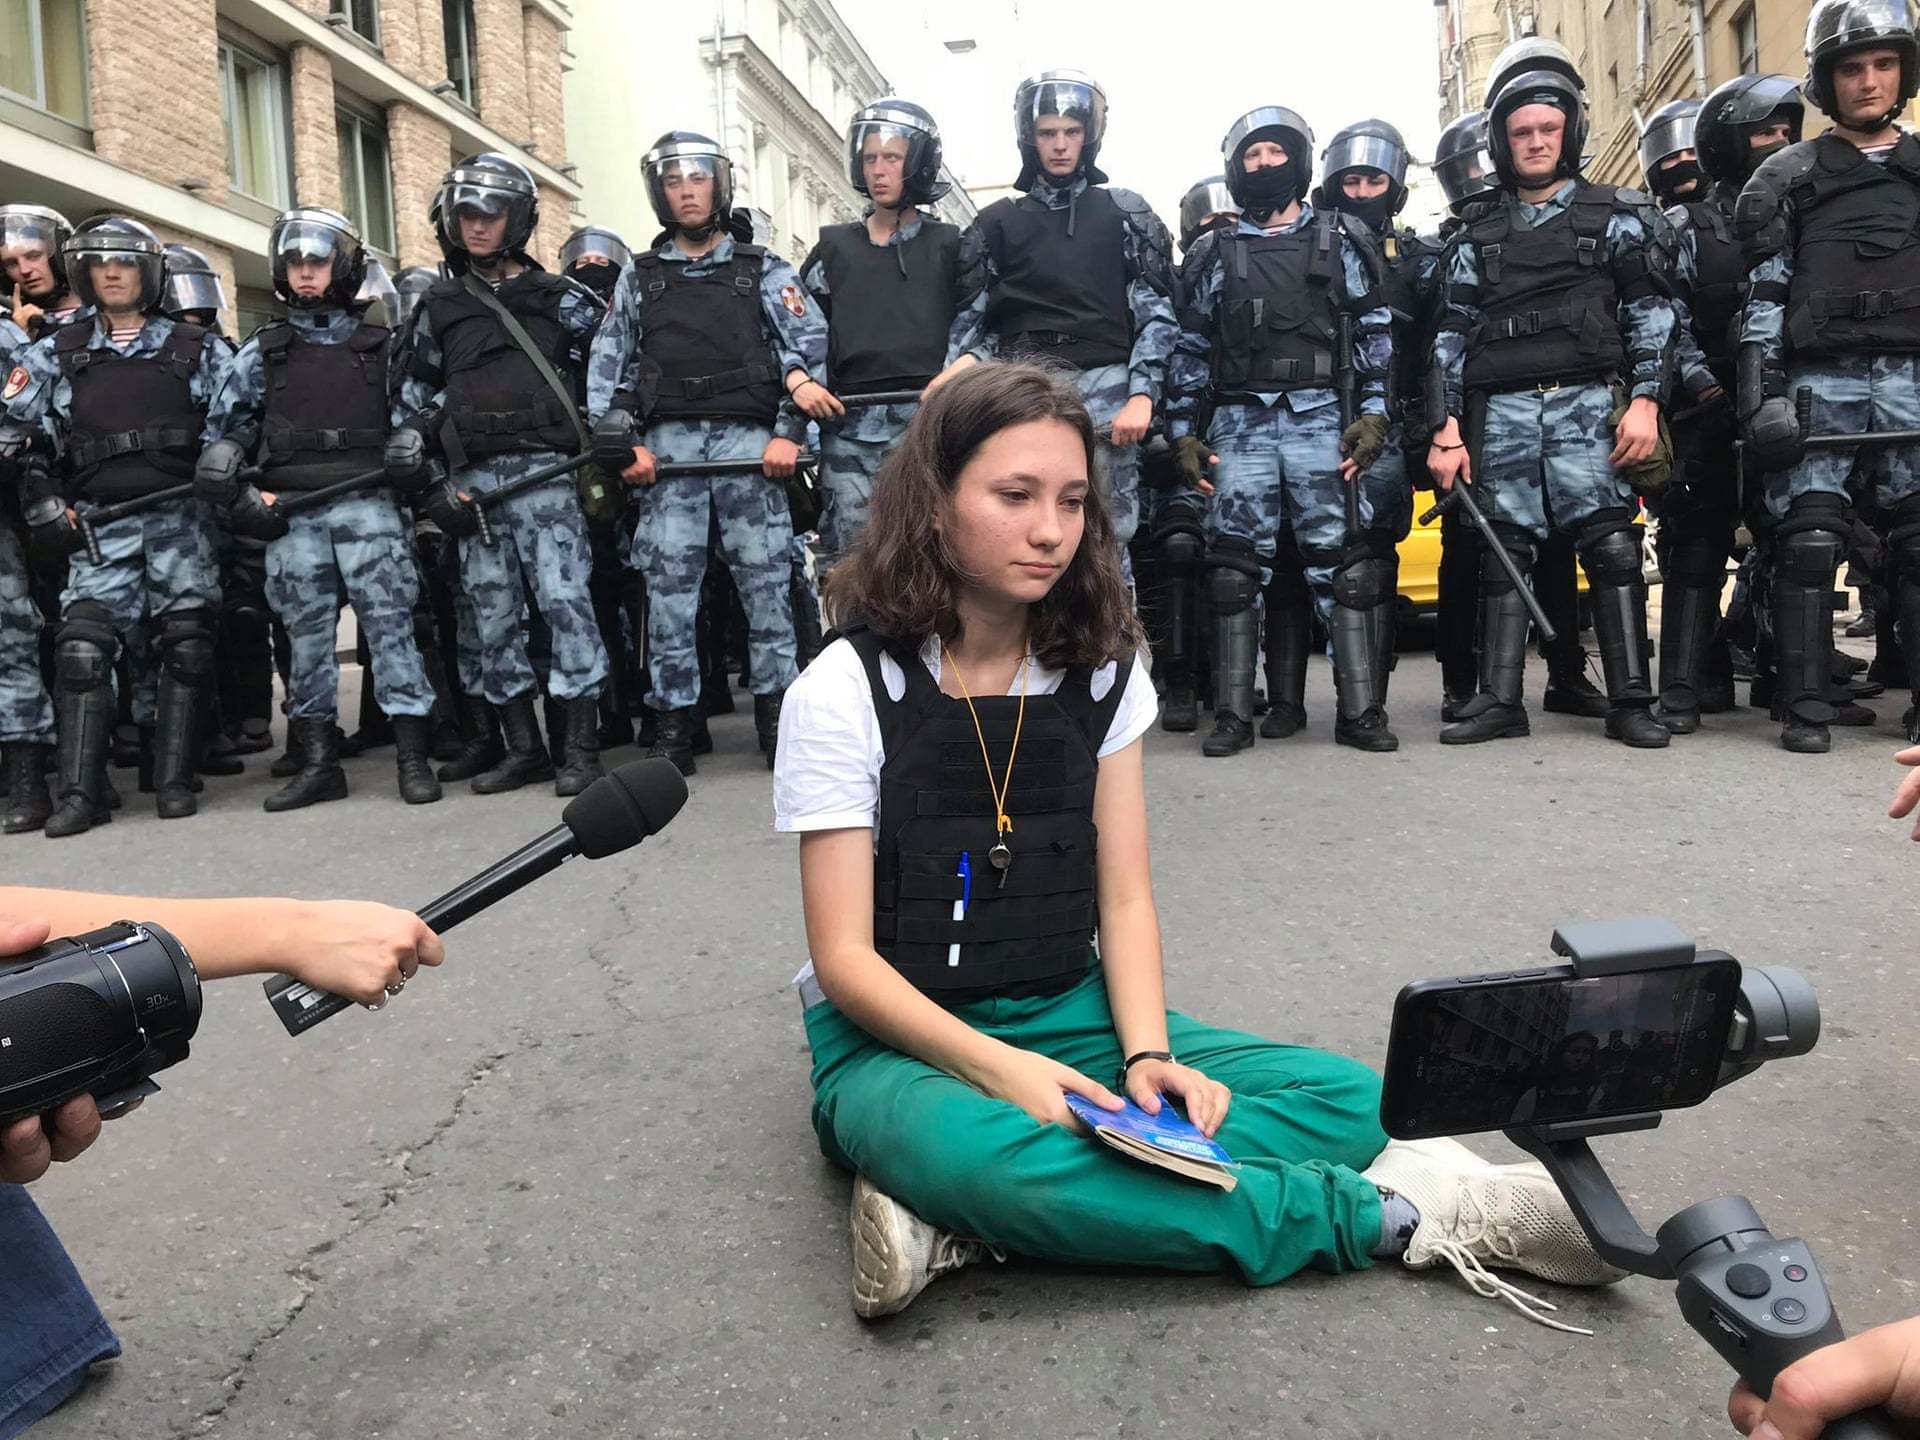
359,542
755,525
541,553
26,711
1104,388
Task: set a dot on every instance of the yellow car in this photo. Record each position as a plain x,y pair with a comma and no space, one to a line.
1420,563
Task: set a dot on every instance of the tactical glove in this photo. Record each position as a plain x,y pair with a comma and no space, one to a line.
51,529
1190,454
217,473
1363,441
251,515
614,440
443,506
1653,474
406,458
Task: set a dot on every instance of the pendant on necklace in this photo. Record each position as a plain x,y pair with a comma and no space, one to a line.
1000,857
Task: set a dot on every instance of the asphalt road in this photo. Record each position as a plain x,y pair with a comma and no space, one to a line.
567,1186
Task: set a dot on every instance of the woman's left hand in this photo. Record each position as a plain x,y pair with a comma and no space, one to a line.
1205,1100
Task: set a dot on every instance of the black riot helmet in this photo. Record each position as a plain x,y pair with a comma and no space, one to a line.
1524,57
1366,145
120,240
1723,131
686,152
487,184
35,227
1068,93
1205,203
595,240
897,119
378,300
1463,162
1295,136
1538,87
1841,27
1670,130
193,286
410,287
310,232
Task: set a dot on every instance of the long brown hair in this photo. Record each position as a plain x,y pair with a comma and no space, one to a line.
901,575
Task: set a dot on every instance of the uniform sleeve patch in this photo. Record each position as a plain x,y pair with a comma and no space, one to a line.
795,302
17,380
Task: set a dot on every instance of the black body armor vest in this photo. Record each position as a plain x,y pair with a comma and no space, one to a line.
325,408
1719,287
1061,293
1856,267
496,400
709,337
1403,292
1549,309
1278,323
1034,934
892,307
134,427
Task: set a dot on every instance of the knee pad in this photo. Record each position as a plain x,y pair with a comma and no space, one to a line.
1696,560
1181,549
1609,548
1233,574
1364,580
1809,544
186,645
84,649
1518,544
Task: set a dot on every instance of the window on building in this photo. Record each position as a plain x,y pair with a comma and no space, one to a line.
43,55
253,99
366,178
1746,41
360,16
457,16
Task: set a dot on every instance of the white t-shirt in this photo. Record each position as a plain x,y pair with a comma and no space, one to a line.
826,772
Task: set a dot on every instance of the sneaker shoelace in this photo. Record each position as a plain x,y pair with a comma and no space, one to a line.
1475,1228
950,1252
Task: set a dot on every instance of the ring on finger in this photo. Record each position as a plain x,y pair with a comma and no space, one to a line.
379,1004
397,986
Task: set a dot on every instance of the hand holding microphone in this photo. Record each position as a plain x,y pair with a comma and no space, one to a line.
615,813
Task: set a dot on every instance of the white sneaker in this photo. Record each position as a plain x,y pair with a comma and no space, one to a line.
896,1253
1474,1214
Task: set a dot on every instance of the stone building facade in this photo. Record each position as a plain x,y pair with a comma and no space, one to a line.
205,117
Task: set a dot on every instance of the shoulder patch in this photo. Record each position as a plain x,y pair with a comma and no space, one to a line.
17,380
795,302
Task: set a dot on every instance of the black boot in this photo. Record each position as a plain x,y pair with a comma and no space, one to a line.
28,803
766,722
580,751
553,717
1497,711
176,745
256,734
1570,692
526,759
1358,678
673,737
412,755
321,777
83,706
483,750
1620,625
289,762
1687,621
1287,642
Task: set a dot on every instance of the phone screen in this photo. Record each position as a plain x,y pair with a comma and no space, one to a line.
1471,1054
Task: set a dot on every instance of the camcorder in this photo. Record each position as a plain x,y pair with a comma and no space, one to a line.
1638,1022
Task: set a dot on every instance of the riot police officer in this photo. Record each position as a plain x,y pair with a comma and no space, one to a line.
1267,310
1364,176
120,396
889,285
712,351
194,292
1696,157
1554,350
489,399
308,399
1830,342
597,257
1077,271
32,258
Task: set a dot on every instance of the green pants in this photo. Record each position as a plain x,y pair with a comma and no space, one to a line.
1301,1125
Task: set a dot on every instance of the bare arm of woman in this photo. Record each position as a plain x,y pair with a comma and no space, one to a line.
836,888
1130,944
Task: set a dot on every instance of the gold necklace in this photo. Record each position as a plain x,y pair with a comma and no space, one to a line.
1001,855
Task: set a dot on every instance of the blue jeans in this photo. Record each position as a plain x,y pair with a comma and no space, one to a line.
50,1329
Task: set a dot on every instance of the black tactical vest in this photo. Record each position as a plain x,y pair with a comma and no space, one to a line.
1550,312
325,406
496,400
1062,288
1278,322
1034,934
892,306
134,427
708,335
1410,299
1719,285
1856,268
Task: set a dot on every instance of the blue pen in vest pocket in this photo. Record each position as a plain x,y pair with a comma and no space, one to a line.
965,872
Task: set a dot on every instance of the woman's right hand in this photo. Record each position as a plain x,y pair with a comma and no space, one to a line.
1040,1087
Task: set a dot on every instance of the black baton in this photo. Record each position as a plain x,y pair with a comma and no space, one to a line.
1458,496
125,509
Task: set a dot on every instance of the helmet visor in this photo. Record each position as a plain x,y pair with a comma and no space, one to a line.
22,232
193,290
1667,135
1465,173
307,240
880,147
600,244
376,299
1207,199
1062,99
1840,24
1367,152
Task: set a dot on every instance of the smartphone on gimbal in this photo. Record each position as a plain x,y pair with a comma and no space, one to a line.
1537,1046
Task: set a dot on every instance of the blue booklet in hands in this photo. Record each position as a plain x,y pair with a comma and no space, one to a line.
1168,1140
